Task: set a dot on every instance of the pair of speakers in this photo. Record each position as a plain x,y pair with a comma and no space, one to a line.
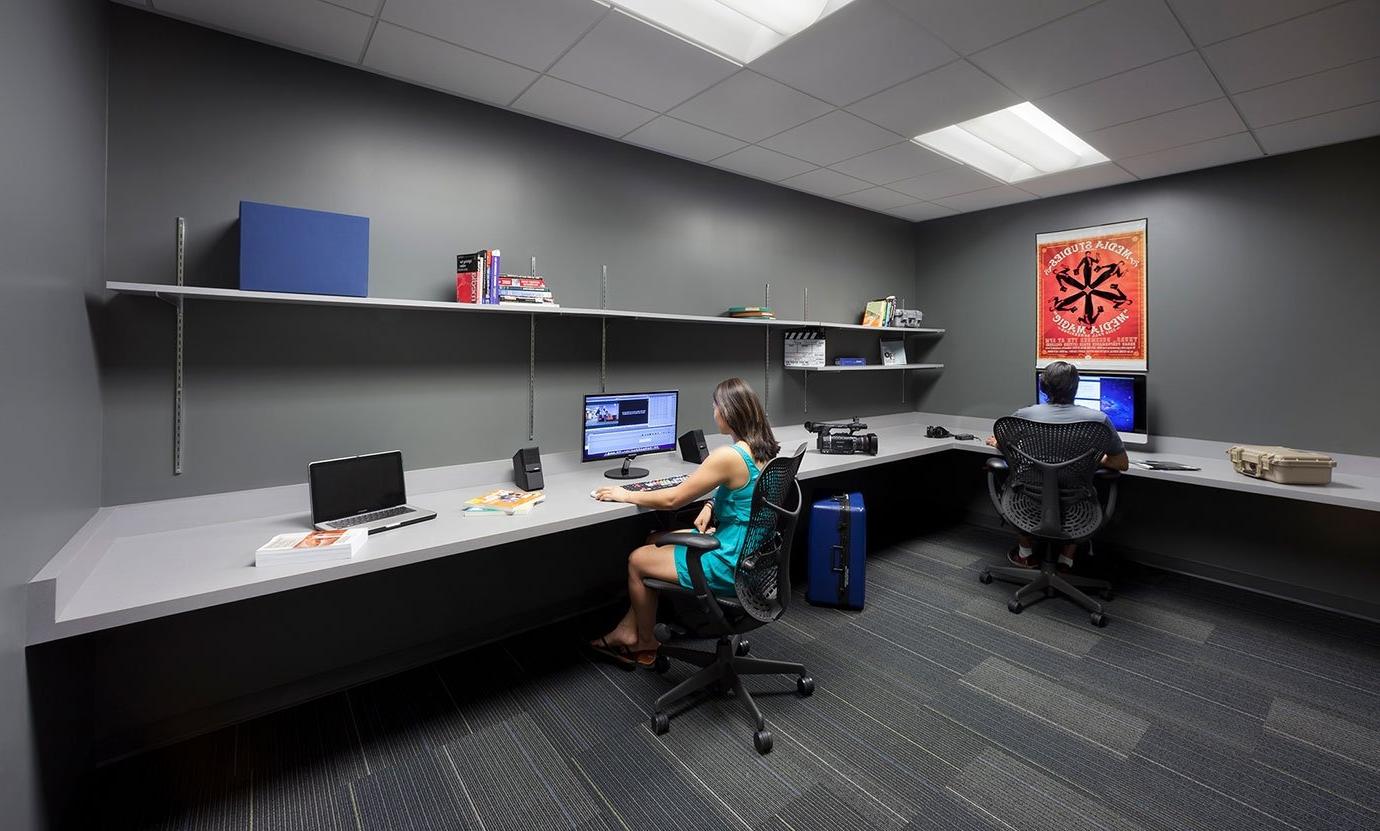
527,461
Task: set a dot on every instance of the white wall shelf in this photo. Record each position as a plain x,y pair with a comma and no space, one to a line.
862,368
174,293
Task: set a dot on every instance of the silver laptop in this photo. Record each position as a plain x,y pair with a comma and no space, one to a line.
362,492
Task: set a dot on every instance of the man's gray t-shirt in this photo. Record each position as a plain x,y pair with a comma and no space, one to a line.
1066,413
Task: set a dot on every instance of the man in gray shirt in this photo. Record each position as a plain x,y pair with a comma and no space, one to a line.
1059,381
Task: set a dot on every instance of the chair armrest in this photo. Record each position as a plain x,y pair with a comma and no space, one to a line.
1106,474
997,468
693,542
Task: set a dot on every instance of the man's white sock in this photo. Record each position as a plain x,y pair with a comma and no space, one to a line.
1065,560
1026,553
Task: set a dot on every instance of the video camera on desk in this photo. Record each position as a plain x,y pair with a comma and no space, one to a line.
843,437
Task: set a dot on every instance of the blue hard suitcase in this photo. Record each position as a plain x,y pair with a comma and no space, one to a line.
836,569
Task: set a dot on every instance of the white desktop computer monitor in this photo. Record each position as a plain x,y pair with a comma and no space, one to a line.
1121,395
627,425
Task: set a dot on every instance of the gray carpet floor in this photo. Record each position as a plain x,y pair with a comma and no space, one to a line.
1198,707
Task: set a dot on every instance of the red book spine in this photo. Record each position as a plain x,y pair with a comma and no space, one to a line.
523,282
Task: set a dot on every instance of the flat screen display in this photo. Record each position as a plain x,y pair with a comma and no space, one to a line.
629,424
342,488
1120,396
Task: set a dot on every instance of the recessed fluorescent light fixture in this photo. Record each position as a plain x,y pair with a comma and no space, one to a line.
740,30
1013,144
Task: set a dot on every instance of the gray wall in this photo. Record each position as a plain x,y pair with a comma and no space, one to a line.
1263,295
52,213
201,120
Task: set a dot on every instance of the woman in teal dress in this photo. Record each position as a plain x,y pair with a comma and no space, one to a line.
730,473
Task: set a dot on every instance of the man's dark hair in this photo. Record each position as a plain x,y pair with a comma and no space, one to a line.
1060,382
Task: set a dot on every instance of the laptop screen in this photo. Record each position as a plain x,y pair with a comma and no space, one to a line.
342,488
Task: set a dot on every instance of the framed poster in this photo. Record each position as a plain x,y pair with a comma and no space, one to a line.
1090,295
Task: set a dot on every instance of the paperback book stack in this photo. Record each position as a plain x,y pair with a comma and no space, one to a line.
477,276
503,503
311,547
524,289
751,312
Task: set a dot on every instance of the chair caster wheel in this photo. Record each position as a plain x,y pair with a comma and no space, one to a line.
662,665
661,724
744,646
805,685
1098,619
1107,595
985,577
1013,606
762,741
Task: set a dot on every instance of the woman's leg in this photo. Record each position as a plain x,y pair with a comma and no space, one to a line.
635,629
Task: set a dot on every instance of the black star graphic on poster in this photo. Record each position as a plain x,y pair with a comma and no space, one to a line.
1086,281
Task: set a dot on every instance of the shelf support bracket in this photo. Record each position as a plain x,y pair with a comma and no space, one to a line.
531,377
766,360
805,392
179,414
603,330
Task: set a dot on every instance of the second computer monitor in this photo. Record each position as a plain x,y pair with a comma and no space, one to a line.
627,425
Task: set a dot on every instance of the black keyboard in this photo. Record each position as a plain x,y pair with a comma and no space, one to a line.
372,516
657,484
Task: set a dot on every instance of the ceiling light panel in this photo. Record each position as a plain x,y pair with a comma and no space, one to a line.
740,30
1013,144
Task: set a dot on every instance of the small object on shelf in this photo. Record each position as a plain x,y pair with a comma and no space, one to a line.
804,348
300,251
846,360
877,313
893,352
755,312
506,501
907,318
311,547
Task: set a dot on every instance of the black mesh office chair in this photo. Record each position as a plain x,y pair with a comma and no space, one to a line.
1046,487
762,589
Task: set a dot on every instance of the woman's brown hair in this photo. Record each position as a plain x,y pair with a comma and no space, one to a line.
746,420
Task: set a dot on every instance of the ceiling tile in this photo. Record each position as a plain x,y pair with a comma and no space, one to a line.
678,138
532,33
982,199
1209,21
921,211
303,25
750,107
864,47
1322,40
1329,128
1084,178
831,138
1224,150
824,182
369,7
1159,87
1099,41
970,25
405,54
937,99
957,179
877,199
1335,89
1158,132
628,59
555,100
894,163
762,163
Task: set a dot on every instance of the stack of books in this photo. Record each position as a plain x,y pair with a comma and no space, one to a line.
527,289
503,502
758,312
477,276
878,313
311,547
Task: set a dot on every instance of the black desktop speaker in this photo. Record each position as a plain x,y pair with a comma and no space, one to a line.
527,469
693,448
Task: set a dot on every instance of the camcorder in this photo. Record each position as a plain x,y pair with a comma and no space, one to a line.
843,437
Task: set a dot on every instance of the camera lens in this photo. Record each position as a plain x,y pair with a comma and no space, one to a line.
871,439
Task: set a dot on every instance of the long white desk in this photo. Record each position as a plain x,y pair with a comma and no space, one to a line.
142,561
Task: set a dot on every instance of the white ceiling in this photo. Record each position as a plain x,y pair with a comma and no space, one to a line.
1159,86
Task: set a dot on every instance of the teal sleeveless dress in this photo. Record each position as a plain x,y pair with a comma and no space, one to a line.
732,510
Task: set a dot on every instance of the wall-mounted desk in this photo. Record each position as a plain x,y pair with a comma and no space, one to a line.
148,560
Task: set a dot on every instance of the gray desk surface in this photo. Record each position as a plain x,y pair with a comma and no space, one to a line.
148,560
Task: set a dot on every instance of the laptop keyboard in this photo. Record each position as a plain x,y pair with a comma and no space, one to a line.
360,519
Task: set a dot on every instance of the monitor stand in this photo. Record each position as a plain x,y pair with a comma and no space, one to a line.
627,472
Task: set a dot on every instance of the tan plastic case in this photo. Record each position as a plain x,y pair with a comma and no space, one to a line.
1282,464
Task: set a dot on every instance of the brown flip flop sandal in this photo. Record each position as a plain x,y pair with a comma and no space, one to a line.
614,653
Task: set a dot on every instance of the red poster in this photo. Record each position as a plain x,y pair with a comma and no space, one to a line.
1091,297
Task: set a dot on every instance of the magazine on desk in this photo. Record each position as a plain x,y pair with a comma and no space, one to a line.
503,501
311,547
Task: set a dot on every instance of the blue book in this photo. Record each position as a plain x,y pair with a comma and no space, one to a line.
303,251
